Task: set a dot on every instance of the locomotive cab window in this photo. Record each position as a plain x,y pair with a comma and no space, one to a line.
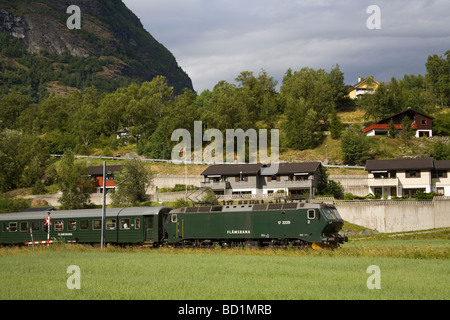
311,214
173,218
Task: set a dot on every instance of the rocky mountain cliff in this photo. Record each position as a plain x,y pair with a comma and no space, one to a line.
110,34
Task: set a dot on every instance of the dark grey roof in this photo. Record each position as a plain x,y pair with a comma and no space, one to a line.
110,212
254,169
233,169
291,168
98,170
442,164
400,164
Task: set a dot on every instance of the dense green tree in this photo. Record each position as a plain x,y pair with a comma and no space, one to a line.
85,119
11,169
12,105
407,131
226,110
440,151
441,124
340,90
74,182
392,130
355,146
258,96
314,87
336,126
301,125
438,72
133,181
380,104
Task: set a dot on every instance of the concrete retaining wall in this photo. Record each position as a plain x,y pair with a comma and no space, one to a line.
357,185
397,216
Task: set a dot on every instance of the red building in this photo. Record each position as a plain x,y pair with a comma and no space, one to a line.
421,123
97,173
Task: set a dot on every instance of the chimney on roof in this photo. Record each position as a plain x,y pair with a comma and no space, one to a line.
360,79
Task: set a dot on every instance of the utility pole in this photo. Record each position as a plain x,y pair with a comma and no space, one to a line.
104,206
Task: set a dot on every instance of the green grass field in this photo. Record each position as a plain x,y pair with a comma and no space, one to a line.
417,268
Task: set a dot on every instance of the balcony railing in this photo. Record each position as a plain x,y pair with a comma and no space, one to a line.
379,182
221,185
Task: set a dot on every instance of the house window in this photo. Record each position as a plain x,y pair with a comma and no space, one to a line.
424,121
439,174
412,174
380,175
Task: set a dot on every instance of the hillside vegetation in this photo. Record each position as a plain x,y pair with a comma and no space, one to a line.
40,56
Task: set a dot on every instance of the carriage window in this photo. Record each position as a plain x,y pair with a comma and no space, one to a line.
13,227
72,225
35,225
124,224
84,224
311,214
4,227
97,225
59,225
23,226
137,223
111,224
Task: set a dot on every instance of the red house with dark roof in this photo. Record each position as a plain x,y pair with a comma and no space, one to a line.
421,123
97,173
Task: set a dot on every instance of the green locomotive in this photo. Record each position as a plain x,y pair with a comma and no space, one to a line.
277,224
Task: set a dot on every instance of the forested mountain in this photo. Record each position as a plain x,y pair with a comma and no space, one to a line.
40,54
111,75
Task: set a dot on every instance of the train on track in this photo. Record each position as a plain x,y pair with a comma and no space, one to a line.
296,224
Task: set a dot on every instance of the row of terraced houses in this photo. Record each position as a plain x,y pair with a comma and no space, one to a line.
389,178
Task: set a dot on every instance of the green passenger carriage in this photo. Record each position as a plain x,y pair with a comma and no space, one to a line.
122,226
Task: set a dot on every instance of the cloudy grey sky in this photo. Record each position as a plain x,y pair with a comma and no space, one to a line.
215,40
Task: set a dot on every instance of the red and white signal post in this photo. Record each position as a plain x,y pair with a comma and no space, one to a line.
48,224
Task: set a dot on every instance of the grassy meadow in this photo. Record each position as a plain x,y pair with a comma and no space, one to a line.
416,267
